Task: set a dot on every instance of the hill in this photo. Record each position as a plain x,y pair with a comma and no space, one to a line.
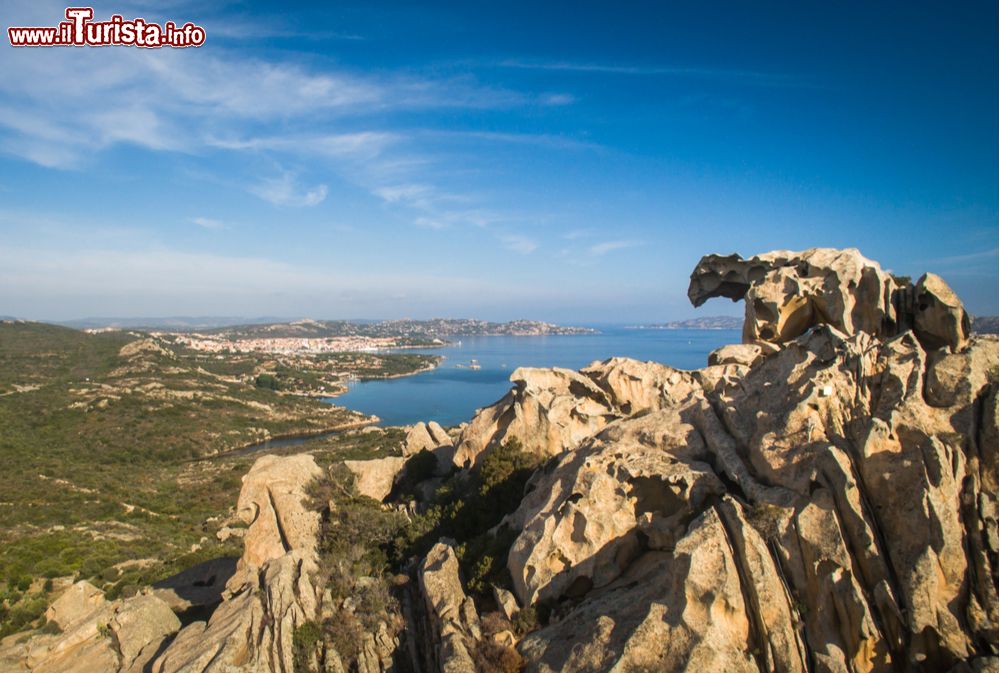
703,323
117,446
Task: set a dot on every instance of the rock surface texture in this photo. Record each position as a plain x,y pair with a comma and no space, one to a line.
271,593
452,620
93,634
829,504
786,293
374,478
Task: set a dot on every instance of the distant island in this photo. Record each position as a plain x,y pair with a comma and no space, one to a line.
309,336
705,323
416,330
985,325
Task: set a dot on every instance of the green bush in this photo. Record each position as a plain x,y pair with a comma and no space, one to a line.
268,381
23,614
419,467
304,641
467,507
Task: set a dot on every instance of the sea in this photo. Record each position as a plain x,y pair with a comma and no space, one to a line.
452,392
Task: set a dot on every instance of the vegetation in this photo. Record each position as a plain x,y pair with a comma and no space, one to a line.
356,552
468,508
118,455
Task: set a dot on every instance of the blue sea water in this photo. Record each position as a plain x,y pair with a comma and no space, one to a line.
451,394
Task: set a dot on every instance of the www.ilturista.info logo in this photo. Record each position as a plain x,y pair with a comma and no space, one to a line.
80,31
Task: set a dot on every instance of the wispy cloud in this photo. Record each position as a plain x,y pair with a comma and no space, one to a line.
968,257
396,193
728,74
208,223
608,246
519,243
284,190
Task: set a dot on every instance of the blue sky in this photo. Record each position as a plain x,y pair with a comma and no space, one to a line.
567,162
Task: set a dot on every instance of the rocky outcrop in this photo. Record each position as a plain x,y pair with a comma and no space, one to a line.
93,634
375,478
199,587
786,293
452,615
272,592
825,499
551,410
939,318
638,484
431,437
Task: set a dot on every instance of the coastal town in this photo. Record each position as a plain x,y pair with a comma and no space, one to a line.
292,345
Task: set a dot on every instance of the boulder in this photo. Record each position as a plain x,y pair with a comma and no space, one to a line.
737,354
451,620
141,625
431,437
506,602
425,436
939,319
375,478
548,411
271,504
272,592
418,438
94,634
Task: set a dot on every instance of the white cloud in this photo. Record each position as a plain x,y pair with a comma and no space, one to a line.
575,234
558,99
208,223
519,243
285,191
395,193
609,246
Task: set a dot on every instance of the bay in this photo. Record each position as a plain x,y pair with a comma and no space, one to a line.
452,392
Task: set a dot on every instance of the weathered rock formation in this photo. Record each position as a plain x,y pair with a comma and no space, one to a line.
431,437
92,634
830,504
550,410
271,593
786,293
375,478
454,622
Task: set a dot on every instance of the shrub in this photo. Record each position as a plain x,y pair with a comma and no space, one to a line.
268,381
467,508
526,621
419,467
491,656
304,640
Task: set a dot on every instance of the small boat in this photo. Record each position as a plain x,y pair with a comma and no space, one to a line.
474,365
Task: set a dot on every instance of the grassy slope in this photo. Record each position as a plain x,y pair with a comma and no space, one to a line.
97,451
